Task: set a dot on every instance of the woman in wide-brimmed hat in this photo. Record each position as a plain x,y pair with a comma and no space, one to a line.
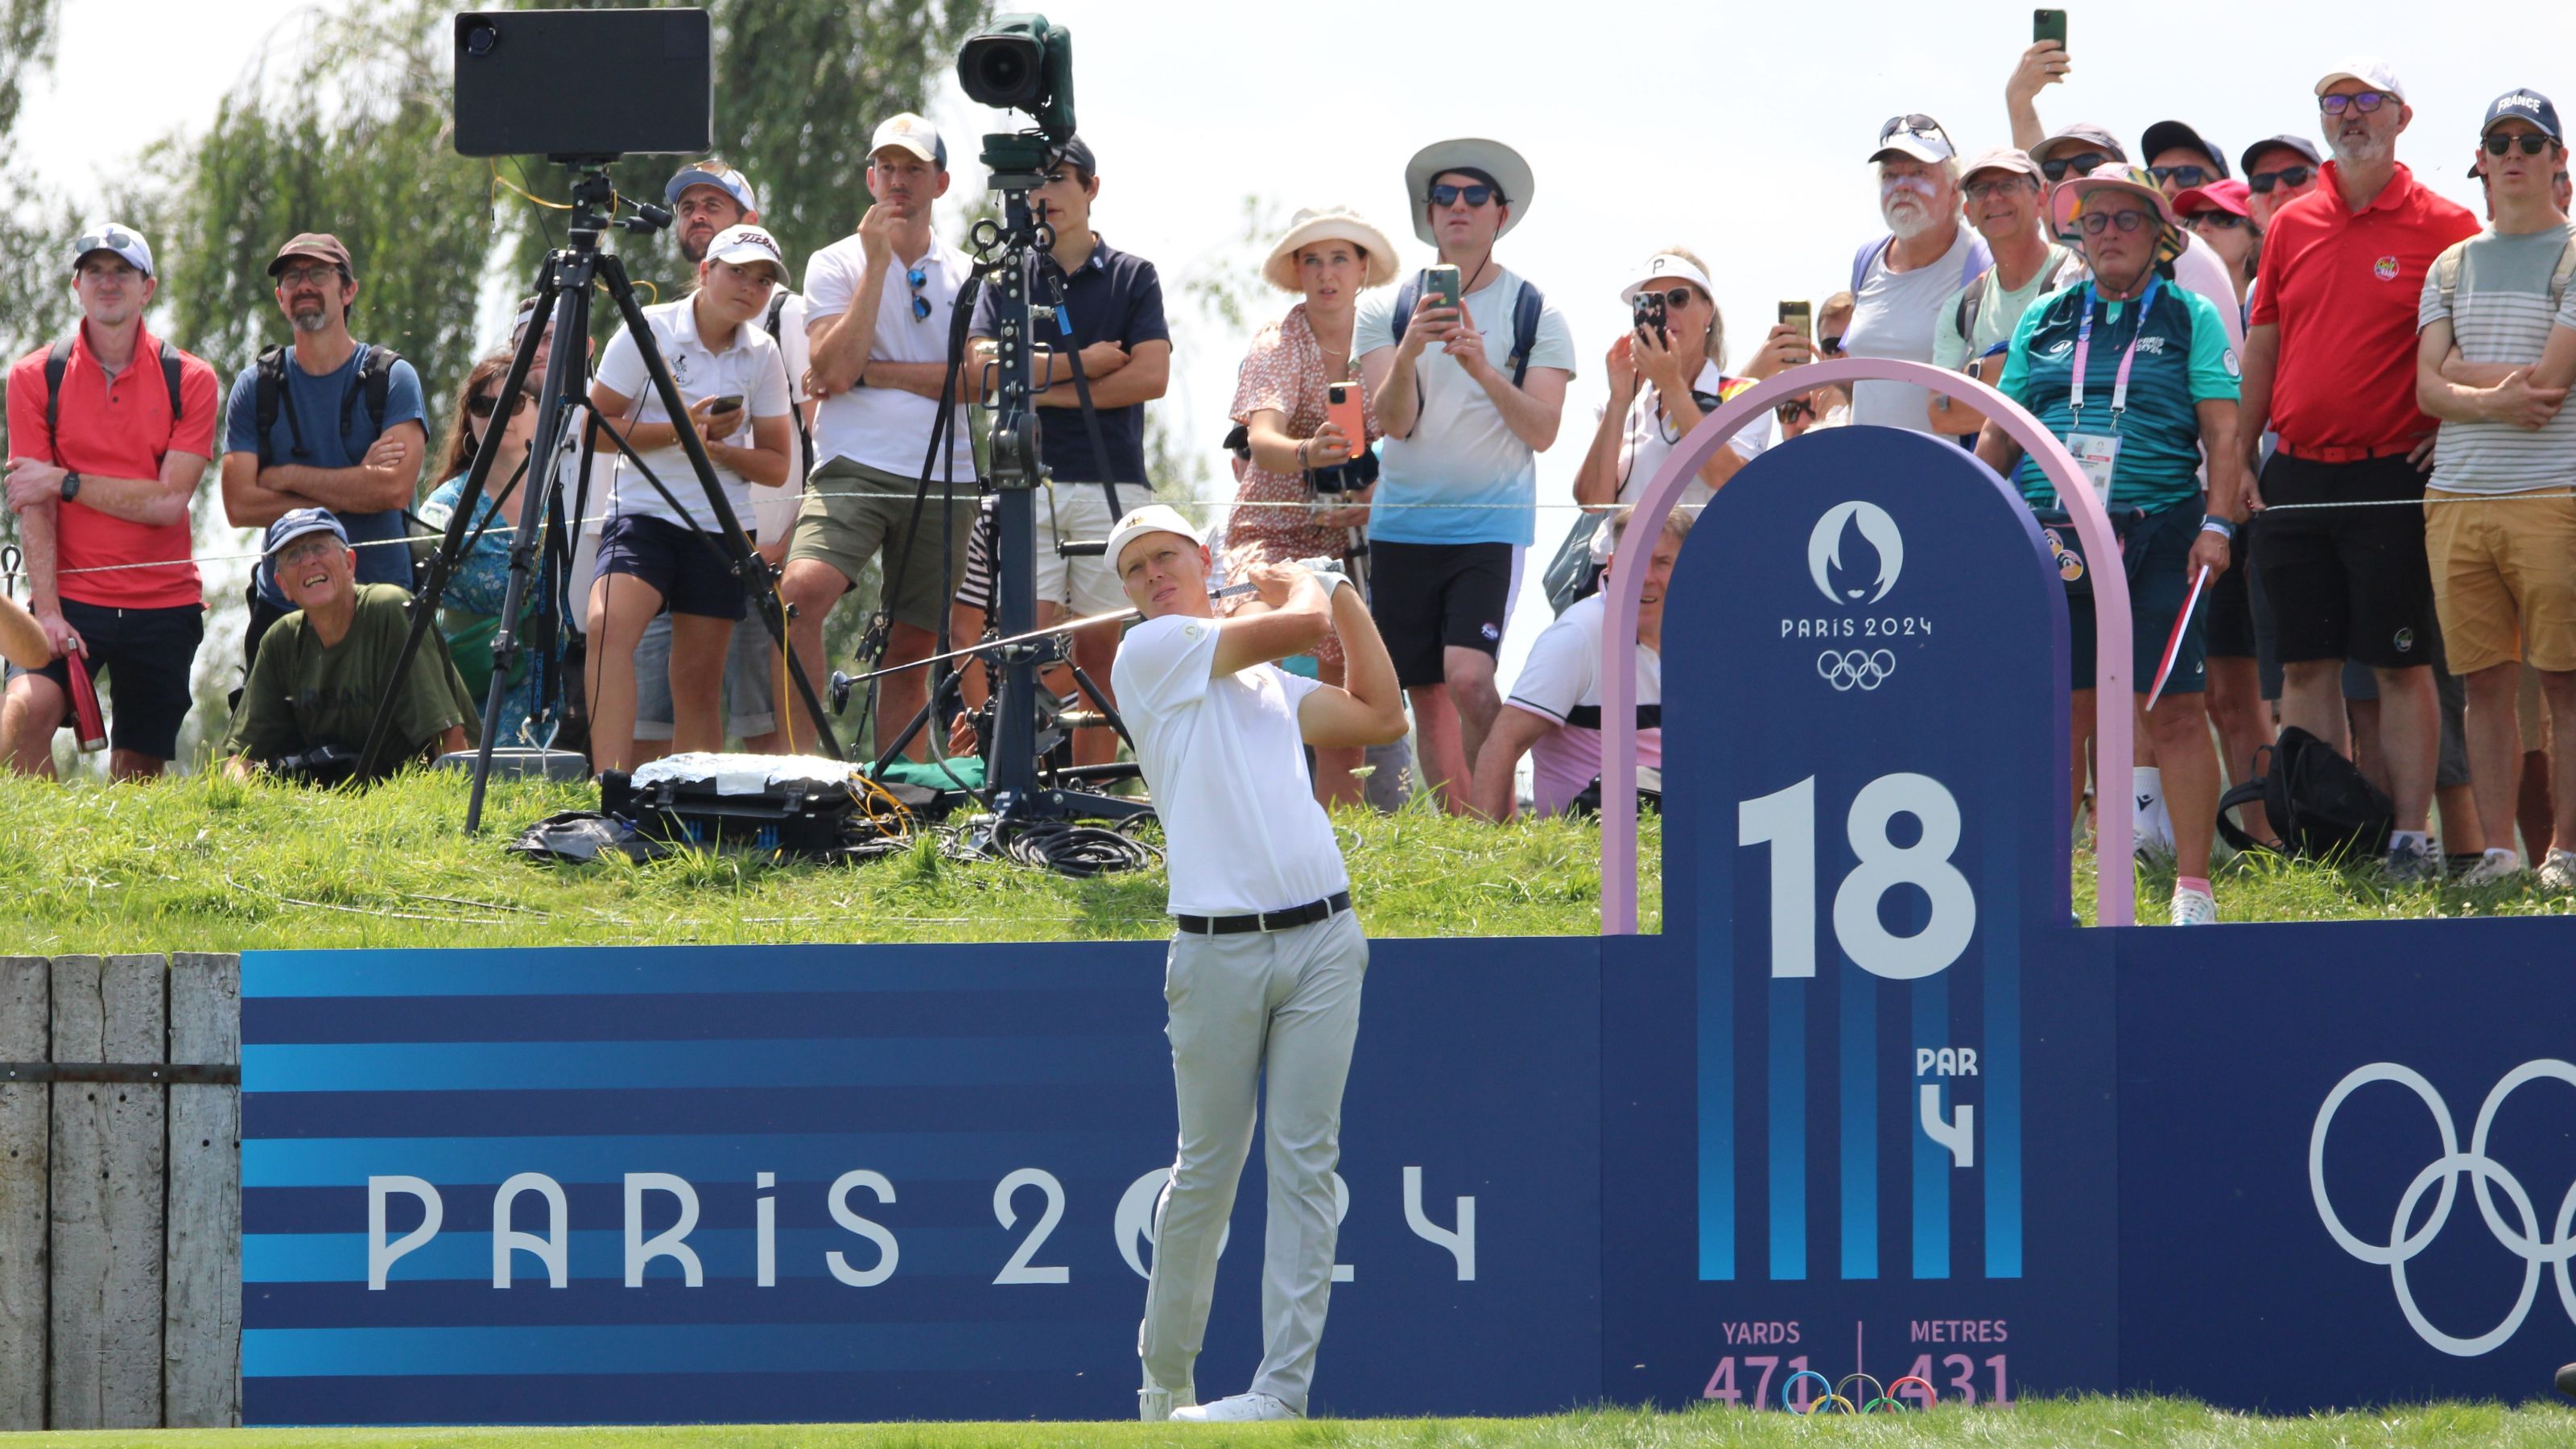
1328,256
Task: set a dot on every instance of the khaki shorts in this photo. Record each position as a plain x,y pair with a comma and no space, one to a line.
855,515
2504,578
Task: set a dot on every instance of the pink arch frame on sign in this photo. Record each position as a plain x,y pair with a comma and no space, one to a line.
2115,887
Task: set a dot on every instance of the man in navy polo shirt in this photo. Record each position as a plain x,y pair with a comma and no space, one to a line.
1112,302
328,446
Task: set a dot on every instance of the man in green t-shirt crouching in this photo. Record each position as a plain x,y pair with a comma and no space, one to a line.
322,670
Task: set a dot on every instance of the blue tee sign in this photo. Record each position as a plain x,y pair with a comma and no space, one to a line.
1870,942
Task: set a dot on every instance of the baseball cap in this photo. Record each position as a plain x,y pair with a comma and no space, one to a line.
1152,518
2520,104
2165,135
1077,152
1916,136
109,236
2300,144
320,246
1667,266
290,527
745,244
2002,158
2370,70
914,134
715,173
2228,196
2081,133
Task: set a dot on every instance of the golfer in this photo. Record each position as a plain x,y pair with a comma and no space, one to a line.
1263,979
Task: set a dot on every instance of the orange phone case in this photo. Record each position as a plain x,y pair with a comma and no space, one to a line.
1348,413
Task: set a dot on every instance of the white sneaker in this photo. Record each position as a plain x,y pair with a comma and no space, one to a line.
2558,872
2499,866
1155,1405
2191,908
2153,823
1240,1409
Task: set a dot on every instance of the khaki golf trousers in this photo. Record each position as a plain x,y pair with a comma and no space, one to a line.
1282,1006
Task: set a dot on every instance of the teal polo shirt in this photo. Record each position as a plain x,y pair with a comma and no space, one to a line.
2182,360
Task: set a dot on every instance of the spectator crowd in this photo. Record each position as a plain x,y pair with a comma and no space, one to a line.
2295,373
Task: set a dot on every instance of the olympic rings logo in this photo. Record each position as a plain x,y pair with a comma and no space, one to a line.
2482,1171
1855,669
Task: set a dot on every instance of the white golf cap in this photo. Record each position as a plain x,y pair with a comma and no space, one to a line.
2370,70
115,237
1663,266
914,134
1152,518
746,244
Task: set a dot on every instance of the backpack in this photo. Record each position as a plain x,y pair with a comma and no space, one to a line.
1980,257
1972,295
777,305
375,383
1525,312
2446,274
2320,805
58,361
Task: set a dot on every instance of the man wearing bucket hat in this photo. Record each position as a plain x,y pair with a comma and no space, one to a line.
1301,494
1470,395
2136,377
2329,365
1263,979
109,432
2004,195
2497,355
326,665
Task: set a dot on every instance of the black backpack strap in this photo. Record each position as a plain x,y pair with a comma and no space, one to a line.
58,361
1408,295
804,439
268,399
2248,793
170,378
375,383
1525,315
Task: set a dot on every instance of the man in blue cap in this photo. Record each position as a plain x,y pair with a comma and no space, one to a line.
323,669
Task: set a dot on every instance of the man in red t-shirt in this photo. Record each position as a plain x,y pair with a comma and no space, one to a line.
2329,365
103,458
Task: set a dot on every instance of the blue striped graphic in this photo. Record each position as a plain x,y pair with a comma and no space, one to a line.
541,1065
681,970
1859,993
1788,1129
1999,1108
730,1157
1931,1160
664,1349
1716,1094
599,1254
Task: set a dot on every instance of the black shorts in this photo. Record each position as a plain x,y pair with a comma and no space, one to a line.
141,660
1427,597
2227,614
675,562
2347,583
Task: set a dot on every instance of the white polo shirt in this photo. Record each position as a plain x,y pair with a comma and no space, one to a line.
1562,682
747,364
887,428
1649,437
1226,763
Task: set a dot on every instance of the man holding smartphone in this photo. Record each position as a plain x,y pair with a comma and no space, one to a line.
1468,404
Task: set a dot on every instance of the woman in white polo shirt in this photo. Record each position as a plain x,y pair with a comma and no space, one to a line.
651,552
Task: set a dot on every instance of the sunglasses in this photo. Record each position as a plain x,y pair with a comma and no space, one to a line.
918,279
484,404
1448,194
114,239
2531,145
2095,223
2287,176
2362,101
2223,220
2006,185
2056,167
1919,125
1794,409
1676,298
2183,176
1831,346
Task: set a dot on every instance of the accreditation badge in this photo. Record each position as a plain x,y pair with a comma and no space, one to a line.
2095,453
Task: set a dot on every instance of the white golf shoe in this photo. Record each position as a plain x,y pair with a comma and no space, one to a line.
2191,908
1154,1404
1240,1409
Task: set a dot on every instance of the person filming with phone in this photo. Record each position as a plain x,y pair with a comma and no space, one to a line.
651,556
1664,378
1303,451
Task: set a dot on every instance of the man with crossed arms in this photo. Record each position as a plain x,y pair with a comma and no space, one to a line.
1263,979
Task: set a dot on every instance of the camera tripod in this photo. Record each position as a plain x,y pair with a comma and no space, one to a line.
564,284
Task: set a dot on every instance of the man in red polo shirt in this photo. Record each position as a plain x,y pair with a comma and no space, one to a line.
2329,362
109,433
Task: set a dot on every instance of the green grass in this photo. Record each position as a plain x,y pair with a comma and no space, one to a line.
2088,1421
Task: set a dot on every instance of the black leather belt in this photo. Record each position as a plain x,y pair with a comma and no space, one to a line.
1305,915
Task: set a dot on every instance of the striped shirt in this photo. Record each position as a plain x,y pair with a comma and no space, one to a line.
2499,312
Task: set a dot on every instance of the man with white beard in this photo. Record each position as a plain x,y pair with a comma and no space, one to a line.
1900,281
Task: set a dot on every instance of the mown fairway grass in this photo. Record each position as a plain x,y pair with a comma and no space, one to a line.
2085,1421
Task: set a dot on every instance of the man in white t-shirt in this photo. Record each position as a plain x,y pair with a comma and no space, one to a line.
1554,712
1263,978
2003,192
706,198
878,305
1900,281
1466,417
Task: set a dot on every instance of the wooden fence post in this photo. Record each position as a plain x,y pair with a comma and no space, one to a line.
25,1008
108,1185
201,1319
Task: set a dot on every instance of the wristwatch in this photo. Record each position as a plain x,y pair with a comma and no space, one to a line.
71,486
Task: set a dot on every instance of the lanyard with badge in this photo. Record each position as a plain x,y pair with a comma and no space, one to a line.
2095,453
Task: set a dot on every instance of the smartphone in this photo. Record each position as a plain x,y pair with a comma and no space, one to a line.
1342,408
2048,25
1442,282
1650,311
729,403
1801,315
